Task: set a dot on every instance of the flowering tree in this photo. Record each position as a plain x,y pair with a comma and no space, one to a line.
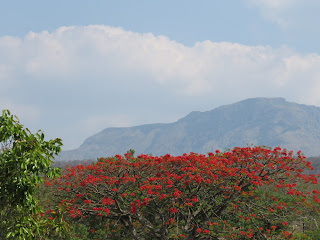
252,192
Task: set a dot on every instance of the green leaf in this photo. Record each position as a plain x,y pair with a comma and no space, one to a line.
23,164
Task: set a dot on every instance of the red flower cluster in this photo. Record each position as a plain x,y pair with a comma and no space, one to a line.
228,190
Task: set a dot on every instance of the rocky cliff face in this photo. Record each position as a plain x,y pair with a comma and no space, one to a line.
259,121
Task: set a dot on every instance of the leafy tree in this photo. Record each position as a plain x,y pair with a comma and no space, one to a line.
244,193
25,158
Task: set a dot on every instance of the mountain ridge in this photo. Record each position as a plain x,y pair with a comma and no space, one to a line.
258,121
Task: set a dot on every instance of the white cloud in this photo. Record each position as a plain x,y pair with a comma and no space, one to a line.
289,14
275,10
94,77
274,4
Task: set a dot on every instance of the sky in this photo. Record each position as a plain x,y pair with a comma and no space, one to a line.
73,68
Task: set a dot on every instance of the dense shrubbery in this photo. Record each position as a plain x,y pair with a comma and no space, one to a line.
244,193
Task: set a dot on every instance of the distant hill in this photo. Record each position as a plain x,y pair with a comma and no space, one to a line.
259,121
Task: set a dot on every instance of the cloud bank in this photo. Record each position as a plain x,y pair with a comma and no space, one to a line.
79,80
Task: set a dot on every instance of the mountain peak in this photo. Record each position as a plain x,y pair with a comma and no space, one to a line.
258,121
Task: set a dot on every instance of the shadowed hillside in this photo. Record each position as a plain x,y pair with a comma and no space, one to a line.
258,121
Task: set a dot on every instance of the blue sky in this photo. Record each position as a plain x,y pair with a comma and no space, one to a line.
73,68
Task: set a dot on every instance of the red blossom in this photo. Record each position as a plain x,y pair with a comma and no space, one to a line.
185,185
106,210
173,210
107,201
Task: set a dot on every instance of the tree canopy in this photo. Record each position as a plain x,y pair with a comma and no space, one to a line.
252,192
25,158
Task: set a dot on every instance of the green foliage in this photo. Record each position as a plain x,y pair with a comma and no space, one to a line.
24,159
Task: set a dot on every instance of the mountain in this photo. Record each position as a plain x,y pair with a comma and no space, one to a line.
258,121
